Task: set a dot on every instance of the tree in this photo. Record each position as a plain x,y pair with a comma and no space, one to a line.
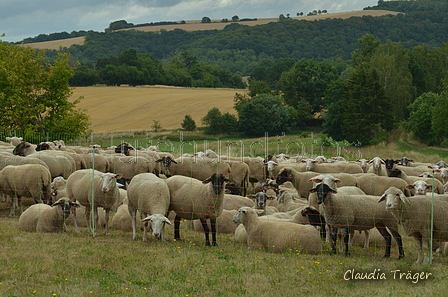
264,113
156,125
257,87
217,123
333,117
420,118
34,93
367,46
206,20
235,18
367,112
306,82
188,124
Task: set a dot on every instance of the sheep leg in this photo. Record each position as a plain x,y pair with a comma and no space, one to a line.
133,214
213,225
419,244
145,230
397,237
334,235
347,241
177,227
366,238
107,220
206,231
75,223
11,207
387,238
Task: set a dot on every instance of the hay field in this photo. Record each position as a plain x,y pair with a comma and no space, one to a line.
134,108
195,25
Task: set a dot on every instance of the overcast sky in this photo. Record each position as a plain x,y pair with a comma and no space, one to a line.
20,19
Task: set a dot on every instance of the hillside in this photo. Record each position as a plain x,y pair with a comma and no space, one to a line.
196,25
135,108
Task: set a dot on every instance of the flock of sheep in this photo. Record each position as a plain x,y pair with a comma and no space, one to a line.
295,203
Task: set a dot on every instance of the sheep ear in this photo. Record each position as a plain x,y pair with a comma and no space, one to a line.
403,197
57,203
337,180
382,198
259,211
168,221
118,175
75,204
316,180
313,190
148,218
158,161
251,196
429,187
410,187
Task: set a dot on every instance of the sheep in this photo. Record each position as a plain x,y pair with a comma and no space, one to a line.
80,186
24,149
414,214
130,166
438,186
419,187
6,160
405,161
305,215
59,163
261,202
14,140
28,180
150,195
236,201
122,219
363,163
277,236
200,168
96,161
286,202
312,165
45,218
376,185
192,199
239,174
270,166
354,212
301,180
377,167
224,224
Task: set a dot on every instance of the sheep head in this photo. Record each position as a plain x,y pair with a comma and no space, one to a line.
393,198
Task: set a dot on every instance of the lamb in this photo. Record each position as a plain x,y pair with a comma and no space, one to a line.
414,214
277,236
354,212
45,218
192,199
28,180
150,195
105,193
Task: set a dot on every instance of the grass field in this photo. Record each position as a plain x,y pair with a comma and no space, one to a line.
135,108
195,25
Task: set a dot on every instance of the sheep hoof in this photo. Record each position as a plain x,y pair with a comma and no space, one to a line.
207,244
347,254
386,256
400,257
215,244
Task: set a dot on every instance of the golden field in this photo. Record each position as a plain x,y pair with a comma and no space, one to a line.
134,108
196,25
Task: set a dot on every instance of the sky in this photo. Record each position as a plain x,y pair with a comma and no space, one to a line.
20,19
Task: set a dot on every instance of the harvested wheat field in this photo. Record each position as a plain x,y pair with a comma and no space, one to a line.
135,108
197,25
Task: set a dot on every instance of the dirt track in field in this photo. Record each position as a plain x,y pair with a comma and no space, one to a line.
215,25
135,108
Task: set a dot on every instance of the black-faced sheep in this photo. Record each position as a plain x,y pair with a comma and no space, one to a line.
192,199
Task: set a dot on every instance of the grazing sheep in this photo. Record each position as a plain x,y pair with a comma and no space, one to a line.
45,218
275,236
354,212
80,186
414,214
29,180
192,199
150,195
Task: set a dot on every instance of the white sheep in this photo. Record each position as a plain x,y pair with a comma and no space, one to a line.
192,199
354,212
419,187
45,218
235,202
270,166
14,140
150,195
377,166
28,180
414,214
364,164
122,219
59,163
93,188
376,185
275,236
